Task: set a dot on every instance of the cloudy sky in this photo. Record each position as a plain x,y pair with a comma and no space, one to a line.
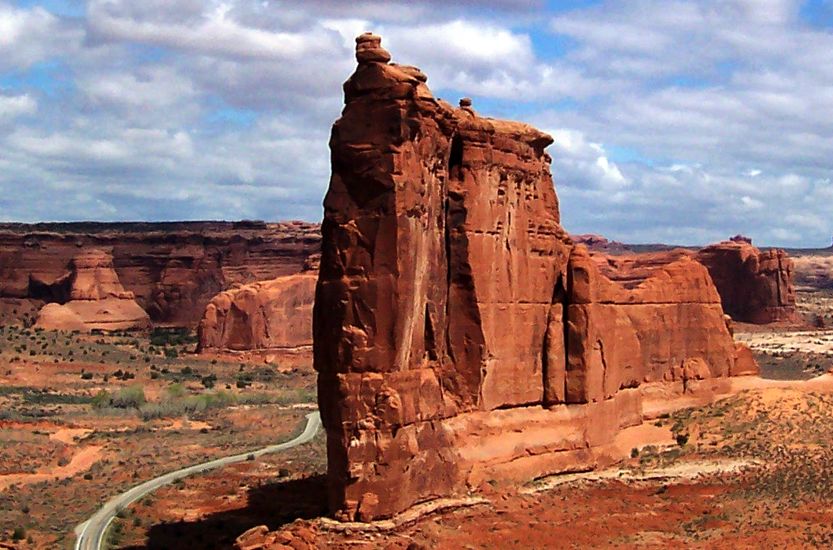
674,121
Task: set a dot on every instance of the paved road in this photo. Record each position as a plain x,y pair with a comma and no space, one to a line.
91,533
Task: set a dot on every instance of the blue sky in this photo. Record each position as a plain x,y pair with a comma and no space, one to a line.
674,121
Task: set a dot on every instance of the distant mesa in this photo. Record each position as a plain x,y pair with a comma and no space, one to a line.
755,286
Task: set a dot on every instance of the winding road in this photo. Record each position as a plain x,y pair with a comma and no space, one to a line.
90,534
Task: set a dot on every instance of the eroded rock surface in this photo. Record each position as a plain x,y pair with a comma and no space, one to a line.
97,298
174,269
756,286
267,315
459,334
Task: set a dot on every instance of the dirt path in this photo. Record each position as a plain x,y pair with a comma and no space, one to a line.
68,436
81,462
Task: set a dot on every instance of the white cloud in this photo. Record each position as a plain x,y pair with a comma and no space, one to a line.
15,106
211,32
29,36
578,162
677,121
143,88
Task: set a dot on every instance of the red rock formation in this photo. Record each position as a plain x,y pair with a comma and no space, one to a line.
97,299
266,315
94,277
459,335
755,286
174,269
630,270
599,243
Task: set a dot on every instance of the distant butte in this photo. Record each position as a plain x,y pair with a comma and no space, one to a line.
97,300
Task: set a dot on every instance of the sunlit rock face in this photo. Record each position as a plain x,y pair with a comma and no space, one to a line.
459,334
266,315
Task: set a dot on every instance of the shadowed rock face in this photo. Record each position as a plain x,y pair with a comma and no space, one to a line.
755,286
459,334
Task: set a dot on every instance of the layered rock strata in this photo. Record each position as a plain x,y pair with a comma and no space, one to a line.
459,334
174,269
97,299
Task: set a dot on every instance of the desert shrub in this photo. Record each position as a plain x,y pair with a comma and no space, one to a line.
209,381
19,533
129,398
171,353
682,439
175,391
161,337
101,400
126,398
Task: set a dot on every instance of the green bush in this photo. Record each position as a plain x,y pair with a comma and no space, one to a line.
175,391
101,400
19,533
129,398
126,398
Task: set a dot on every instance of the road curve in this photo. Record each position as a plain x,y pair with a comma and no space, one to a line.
90,534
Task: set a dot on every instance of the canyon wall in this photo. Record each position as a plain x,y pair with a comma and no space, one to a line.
459,334
174,269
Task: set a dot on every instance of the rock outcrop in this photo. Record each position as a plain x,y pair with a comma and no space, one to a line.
459,334
174,269
267,315
97,299
755,286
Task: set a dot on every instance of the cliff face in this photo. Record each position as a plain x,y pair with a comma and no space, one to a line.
459,334
755,286
174,269
267,315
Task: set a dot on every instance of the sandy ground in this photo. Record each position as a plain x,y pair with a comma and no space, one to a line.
809,341
81,461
